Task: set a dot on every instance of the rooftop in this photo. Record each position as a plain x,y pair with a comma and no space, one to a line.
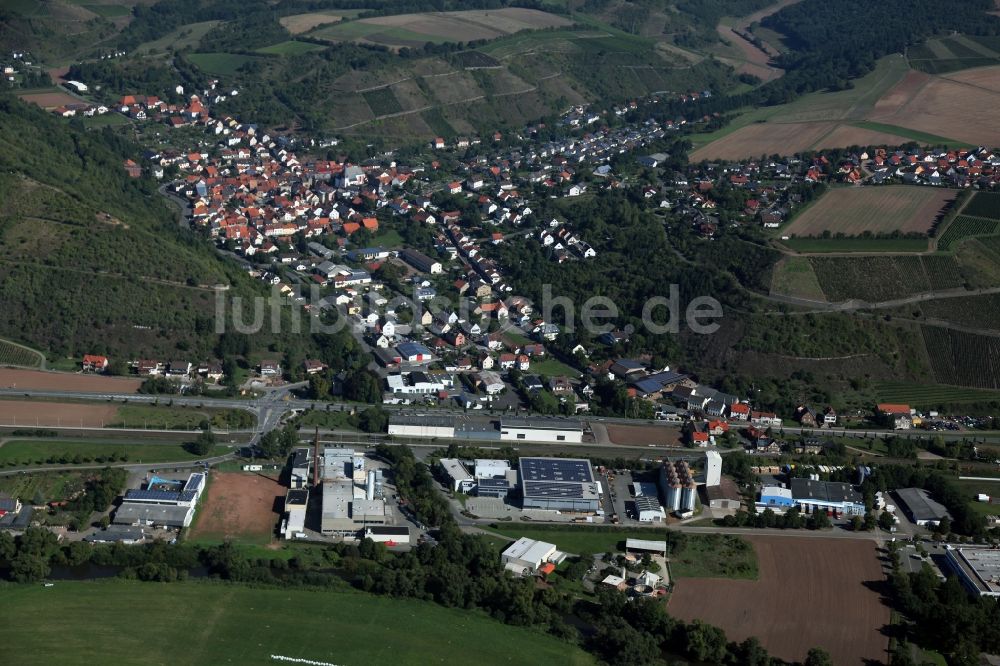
571,470
919,504
825,491
529,550
541,423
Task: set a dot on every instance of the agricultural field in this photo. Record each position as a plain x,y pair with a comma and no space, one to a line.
966,226
953,53
820,579
853,211
49,99
13,354
238,507
291,47
891,105
297,24
220,64
963,359
946,106
48,414
794,276
229,627
639,435
44,451
408,30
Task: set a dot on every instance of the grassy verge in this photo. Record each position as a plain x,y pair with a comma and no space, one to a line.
78,452
856,244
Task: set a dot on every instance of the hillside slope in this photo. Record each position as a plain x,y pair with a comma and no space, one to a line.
90,260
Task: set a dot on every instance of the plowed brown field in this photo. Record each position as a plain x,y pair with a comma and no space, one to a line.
66,381
811,593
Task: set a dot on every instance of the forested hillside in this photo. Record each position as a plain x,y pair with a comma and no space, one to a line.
92,261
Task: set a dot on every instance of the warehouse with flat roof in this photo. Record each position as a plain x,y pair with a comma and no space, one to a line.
977,568
561,484
541,429
811,494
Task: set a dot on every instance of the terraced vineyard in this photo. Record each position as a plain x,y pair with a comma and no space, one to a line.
931,396
880,278
971,311
966,226
12,354
963,359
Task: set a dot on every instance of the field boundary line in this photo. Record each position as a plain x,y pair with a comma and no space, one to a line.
933,245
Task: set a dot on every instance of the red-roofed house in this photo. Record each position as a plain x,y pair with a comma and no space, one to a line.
94,363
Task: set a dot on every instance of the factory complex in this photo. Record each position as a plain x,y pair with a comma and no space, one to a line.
507,429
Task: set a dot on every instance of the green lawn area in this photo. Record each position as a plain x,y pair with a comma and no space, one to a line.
585,540
198,623
856,244
327,420
222,64
356,30
715,556
291,47
65,451
387,238
110,119
794,276
552,366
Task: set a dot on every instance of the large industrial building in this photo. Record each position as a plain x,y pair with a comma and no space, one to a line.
163,503
677,484
562,484
776,498
541,430
977,568
812,494
349,494
920,507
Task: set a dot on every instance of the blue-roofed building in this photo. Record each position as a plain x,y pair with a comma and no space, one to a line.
562,484
656,385
414,352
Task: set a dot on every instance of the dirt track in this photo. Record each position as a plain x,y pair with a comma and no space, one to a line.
66,381
238,506
811,593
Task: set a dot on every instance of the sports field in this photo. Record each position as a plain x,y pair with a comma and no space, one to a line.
238,507
811,592
438,27
879,210
191,624
49,100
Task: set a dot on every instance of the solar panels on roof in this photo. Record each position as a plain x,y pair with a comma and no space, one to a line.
553,490
575,470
